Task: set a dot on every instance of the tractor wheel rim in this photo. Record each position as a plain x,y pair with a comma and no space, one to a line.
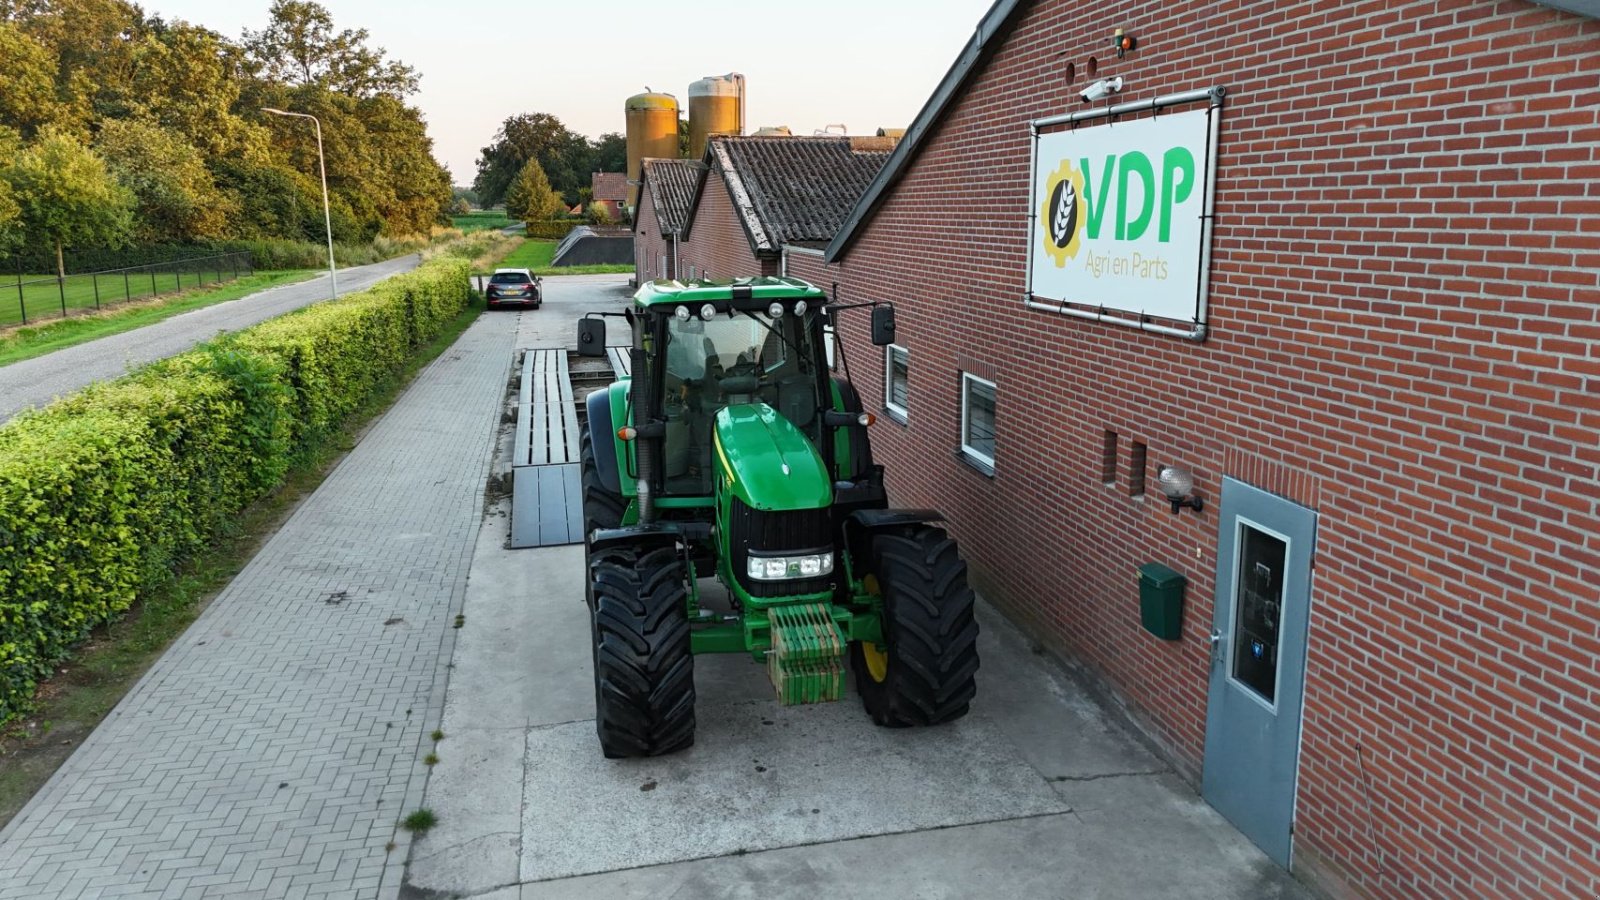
877,661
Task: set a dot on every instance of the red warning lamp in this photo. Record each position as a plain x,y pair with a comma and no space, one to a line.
1123,42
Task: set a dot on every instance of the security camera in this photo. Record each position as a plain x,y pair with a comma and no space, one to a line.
1101,89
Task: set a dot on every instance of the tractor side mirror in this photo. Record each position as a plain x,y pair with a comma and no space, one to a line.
591,337
882,325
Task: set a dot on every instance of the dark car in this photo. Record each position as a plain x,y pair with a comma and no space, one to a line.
514,287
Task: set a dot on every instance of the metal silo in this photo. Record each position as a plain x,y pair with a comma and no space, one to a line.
652,134
716,106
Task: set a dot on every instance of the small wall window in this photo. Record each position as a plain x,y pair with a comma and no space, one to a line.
663,269
977,420
896,381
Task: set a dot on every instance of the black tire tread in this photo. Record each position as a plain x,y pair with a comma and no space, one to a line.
643,667
601,508
929,627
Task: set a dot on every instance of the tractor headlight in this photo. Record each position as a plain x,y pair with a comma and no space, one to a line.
775,310
682,313
706,312
800,307
780,568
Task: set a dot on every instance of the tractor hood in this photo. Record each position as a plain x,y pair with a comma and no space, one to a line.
770,463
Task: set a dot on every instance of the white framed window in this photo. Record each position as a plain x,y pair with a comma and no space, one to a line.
663,269
896,381
977,420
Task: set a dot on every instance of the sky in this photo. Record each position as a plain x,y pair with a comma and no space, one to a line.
863,63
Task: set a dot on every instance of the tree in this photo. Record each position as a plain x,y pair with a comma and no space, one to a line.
299,48
178,199
599,214
531,197
28,76
562,155
460,207
67,196
609,153
10,220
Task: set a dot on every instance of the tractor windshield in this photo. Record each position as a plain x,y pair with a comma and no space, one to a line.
745,358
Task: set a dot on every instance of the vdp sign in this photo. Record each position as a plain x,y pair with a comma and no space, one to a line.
1118,215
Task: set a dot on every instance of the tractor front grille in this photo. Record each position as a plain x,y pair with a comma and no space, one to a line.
786,531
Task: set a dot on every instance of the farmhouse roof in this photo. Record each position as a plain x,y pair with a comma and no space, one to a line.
609,186
788,190
672,184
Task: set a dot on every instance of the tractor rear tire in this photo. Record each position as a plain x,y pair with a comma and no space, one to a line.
926,673
643,667
601,507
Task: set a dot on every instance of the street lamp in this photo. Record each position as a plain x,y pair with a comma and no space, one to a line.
322,168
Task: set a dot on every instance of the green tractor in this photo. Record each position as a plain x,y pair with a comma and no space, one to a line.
732,451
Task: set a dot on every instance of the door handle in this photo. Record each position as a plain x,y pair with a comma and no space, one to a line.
1217,640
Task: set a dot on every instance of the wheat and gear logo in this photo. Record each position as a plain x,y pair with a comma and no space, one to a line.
1063,213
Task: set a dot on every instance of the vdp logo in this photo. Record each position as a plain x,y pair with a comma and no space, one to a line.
1075,204
1062,214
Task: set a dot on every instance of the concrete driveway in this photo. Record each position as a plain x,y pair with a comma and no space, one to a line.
1039,792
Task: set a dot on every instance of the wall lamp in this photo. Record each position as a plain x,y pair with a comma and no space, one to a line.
1178,484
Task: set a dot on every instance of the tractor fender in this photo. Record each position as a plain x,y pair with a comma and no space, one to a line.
603,440
640,537
873,519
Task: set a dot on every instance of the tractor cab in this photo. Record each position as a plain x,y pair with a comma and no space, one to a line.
733,451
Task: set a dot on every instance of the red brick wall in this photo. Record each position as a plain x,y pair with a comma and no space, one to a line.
648,244
1406,336
717,242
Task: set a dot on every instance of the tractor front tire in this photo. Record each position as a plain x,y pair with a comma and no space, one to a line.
602,508
925,674
643,668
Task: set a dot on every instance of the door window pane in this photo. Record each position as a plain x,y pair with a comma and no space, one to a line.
1258,610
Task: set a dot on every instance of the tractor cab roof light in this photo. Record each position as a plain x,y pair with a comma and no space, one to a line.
800,307
682,313
775,310
706,312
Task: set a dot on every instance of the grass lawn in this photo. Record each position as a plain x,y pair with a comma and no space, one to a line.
41,298
482,219
86,686
531,254
17,344
535,254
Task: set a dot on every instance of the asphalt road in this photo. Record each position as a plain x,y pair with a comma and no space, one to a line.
36,382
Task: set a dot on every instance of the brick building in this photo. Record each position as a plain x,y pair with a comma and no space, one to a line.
758,196
1378,354
610,189
666,191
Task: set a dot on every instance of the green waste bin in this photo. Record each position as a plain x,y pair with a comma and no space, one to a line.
1161,601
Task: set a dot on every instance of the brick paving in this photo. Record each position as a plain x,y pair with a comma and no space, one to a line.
271,751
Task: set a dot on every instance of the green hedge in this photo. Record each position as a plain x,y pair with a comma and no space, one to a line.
104,493
551,229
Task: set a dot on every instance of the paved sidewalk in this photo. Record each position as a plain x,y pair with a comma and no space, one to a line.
274,747
35,382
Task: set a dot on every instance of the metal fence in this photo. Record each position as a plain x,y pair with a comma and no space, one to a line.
33,298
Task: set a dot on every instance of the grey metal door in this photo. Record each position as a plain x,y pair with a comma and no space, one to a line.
1258,661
